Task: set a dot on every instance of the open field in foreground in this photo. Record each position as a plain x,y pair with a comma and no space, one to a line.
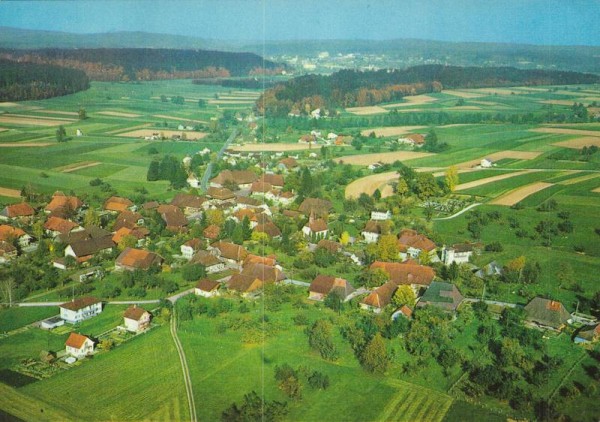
517,195
369,184
383,157
391,130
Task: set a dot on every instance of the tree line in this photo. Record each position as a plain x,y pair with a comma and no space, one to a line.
29,81
351,88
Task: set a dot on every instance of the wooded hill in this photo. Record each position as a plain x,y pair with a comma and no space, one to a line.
122,64
353,88
30,81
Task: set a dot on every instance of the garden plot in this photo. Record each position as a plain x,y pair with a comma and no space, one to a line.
365,111
141,133
391,131
579,143
415,403
517,195
579,179
383,157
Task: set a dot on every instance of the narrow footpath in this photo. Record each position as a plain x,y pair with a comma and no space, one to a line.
184,367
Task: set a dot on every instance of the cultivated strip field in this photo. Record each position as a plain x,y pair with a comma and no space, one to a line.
31,121
365,111
10,193
517,195
140,133
495,156
462,94
183,119
558,102
275,147
382,157
65,113
77,166
492,179
579,179
235,101
566,131
579,143
391,131
415,403
597,190
369,184
114,132
412,100
26,145
118,114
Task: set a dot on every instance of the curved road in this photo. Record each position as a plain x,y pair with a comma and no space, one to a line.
458,213
184,367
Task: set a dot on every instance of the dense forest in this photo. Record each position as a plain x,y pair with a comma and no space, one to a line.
123,64
30,81
354,88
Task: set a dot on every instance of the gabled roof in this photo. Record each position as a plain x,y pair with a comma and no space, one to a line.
329,245
205,259
260,187
127,219
373,226
221,194
317,226
150,205
18,210
442,295
6,248
135,313
138,258
289,162
243,283
91,246
80,303
231,250
324,284
246,200
172,216
60,203
240,177
320,207
403,273
410,238
117,203
207,285
57,224
273,179
9,232
255,259
184,200
269,228
212,231
381,296
547,312
264,273
76,340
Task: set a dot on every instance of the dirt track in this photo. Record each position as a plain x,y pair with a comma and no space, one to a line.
81,166
26,145
517,195
15,120
118,114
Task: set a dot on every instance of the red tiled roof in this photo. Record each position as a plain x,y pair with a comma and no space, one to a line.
80,303
76,340
116,203
57,224
137,258
207,285
318,226
18,210
410,238
61,201
401,273
381,296
231,250
10,232
134,312
212,231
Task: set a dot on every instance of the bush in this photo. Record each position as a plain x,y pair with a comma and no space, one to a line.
193,272
494,247
96,182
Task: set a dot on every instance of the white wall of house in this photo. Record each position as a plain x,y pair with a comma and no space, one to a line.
370,237
86,349
135,326
187,252
450,255
215,268
203,293
380,215
81,314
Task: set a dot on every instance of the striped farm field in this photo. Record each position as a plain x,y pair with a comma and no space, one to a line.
492,179
517,195
579,179
415,403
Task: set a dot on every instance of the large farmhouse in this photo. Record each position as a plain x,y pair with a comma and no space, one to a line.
80,309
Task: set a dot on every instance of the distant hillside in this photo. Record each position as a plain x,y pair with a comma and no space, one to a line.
408,52
117,64
352,88
33,39
29,81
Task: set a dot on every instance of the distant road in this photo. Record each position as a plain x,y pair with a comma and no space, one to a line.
208,172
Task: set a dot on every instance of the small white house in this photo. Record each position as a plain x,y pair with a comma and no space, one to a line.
80,309
457,253
207,288
381,215
486,163
136,319
79,346
189,248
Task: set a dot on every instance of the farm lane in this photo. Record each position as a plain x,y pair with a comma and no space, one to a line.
208,172
459,212
184,367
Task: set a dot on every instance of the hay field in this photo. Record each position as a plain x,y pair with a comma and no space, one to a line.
412,100
117,131
182,119
140,133
118,114
565,131
26,145
578,179
597,190
65,113
391,131
383,157
78,166
578,143
558,102
369,184
462,94
465,108
32,121
495,156
492,179
10,193
517,195
365,111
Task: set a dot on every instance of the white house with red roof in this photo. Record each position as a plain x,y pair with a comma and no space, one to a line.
80,309
79,346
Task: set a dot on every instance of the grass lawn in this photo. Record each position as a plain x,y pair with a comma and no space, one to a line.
139,380
13,318
28,344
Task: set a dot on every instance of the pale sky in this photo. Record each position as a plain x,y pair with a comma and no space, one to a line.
558,22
